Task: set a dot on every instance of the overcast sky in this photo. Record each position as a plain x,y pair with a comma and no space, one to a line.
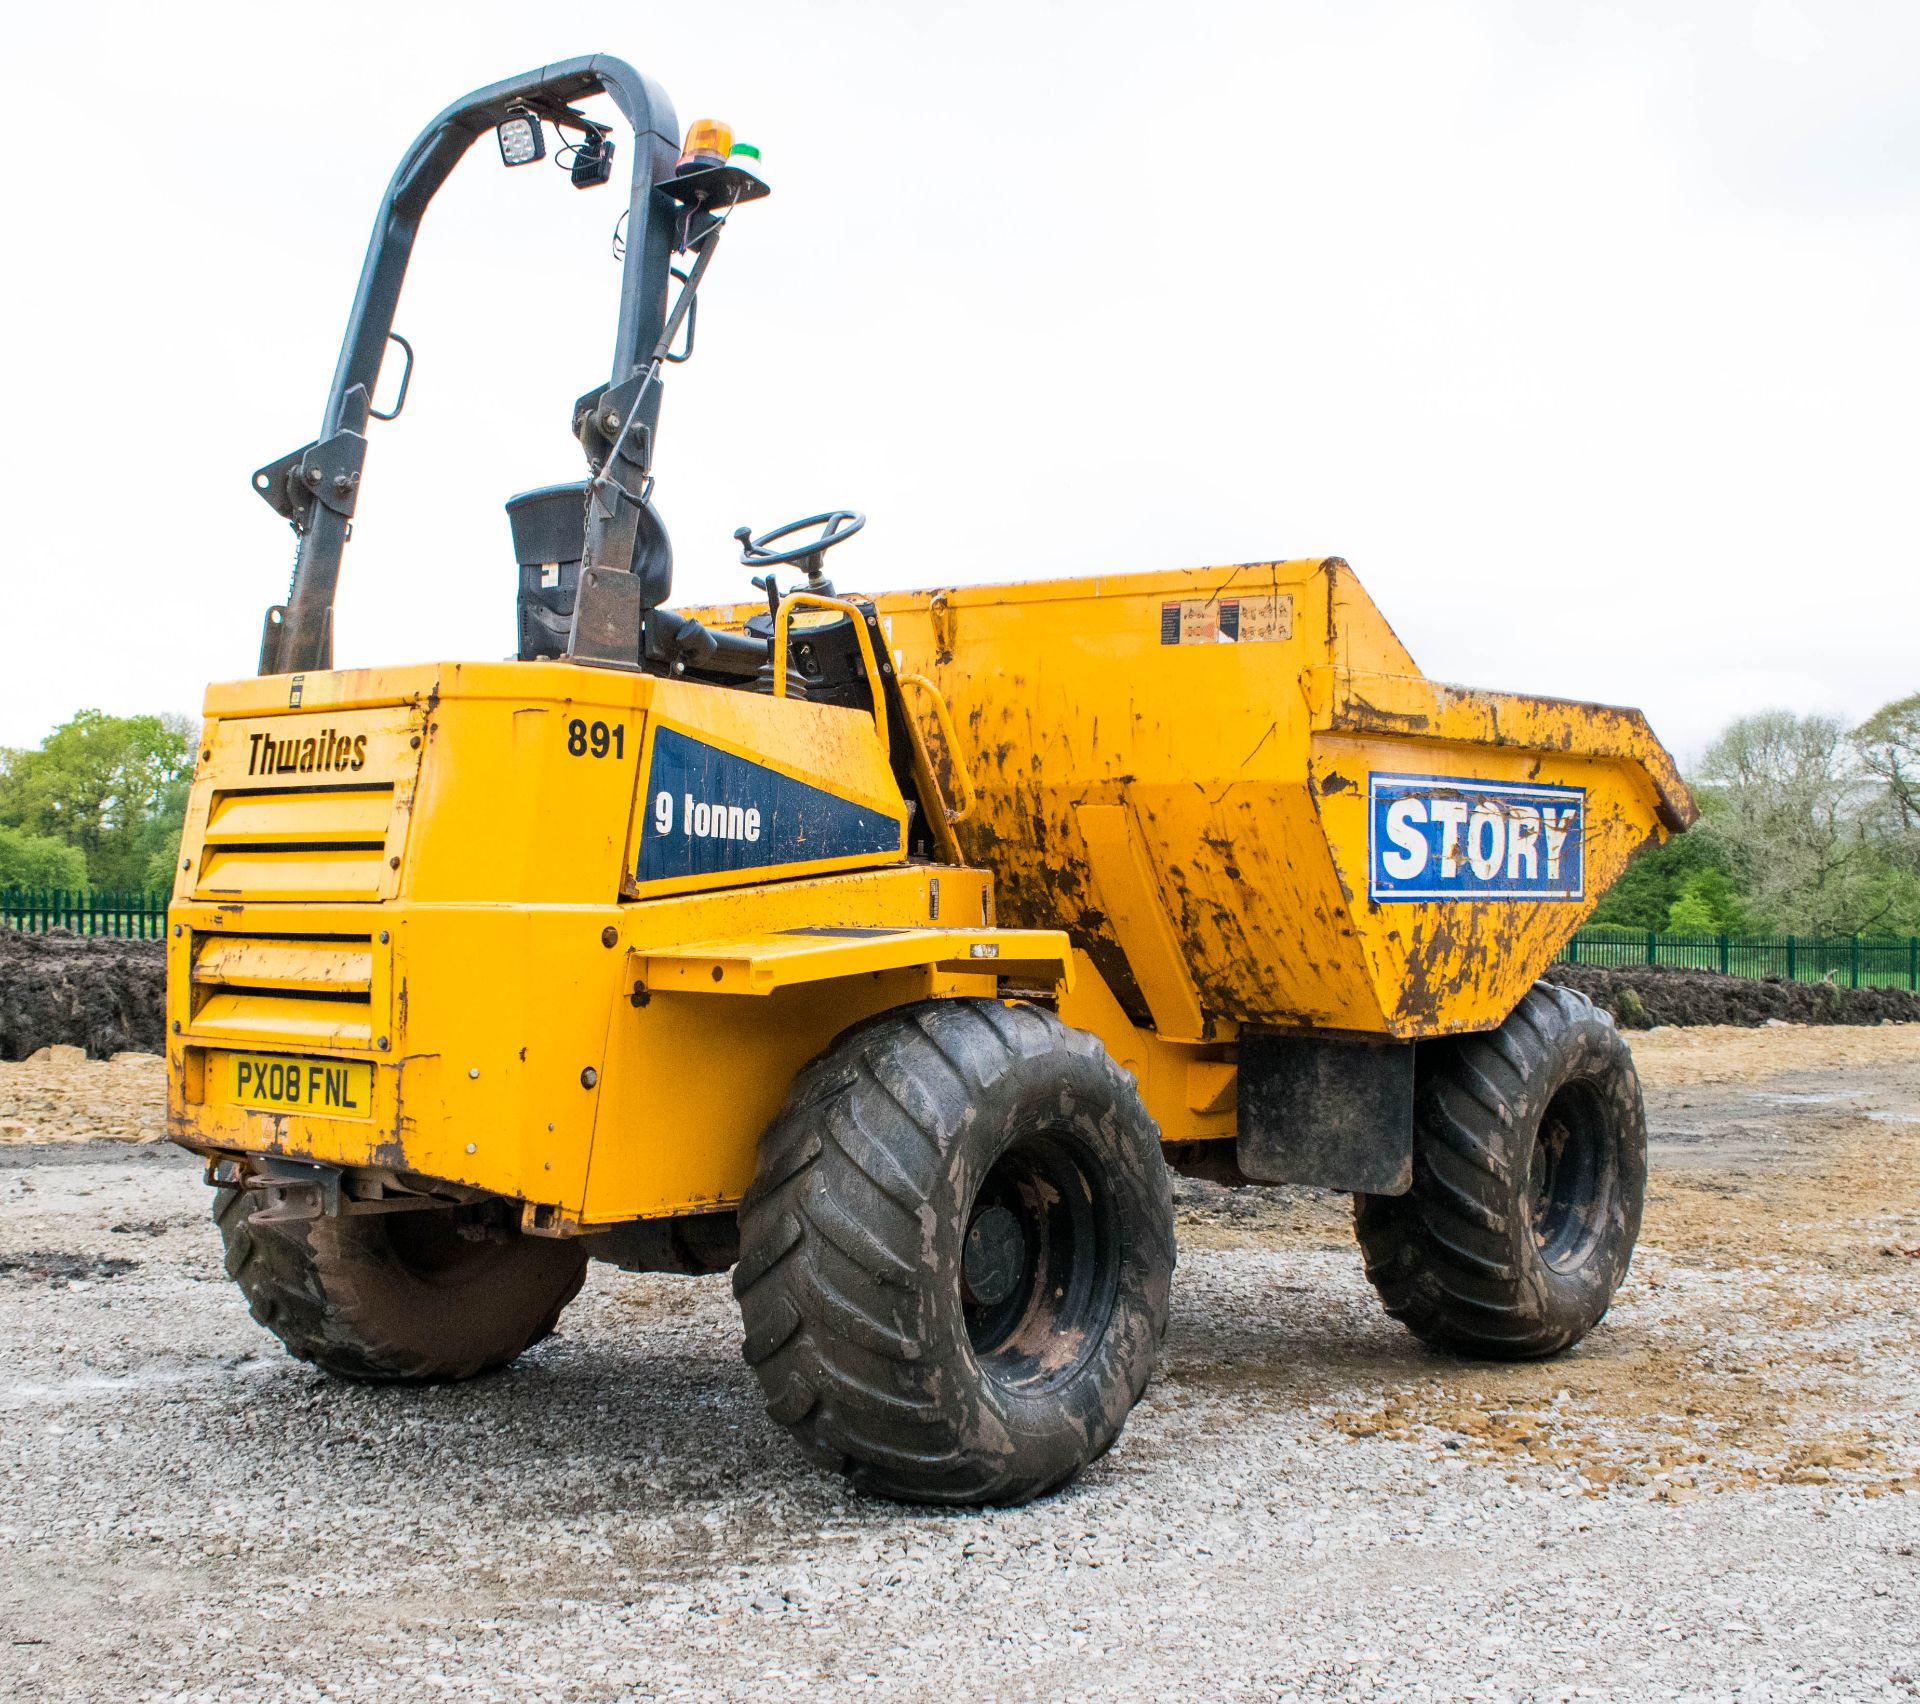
1585,332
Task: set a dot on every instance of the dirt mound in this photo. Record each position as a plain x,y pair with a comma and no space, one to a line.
1643,996
91,991
49,1098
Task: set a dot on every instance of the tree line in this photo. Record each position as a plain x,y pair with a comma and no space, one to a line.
98,804
1807,827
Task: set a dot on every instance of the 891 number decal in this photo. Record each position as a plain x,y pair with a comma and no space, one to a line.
596,738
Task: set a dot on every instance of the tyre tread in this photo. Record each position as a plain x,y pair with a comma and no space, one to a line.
312,1295
832,1328
1441,1257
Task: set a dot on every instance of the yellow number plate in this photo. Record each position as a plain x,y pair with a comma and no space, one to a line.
320,1088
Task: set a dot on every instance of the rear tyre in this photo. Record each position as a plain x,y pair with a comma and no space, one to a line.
1529,1176
433,1295
956,1258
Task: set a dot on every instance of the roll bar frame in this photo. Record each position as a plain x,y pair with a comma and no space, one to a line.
315,487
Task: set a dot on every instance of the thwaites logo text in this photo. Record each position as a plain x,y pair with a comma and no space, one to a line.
1449,837
314,754
709,812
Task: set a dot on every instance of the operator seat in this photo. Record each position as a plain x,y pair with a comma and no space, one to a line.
549,533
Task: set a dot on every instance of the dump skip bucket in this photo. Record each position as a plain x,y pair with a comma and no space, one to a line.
1236,791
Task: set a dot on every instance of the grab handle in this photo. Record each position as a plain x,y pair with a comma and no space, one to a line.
816,600
944,717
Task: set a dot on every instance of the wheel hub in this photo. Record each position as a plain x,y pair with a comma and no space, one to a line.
1040,1264
1570,1178
995,1253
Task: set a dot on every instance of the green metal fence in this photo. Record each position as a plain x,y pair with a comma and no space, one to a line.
141,915
1853,961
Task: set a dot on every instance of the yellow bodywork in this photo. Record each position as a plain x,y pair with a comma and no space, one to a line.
442,877
1194,812
438,884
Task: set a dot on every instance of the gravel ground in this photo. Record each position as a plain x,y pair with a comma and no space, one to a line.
1718,1495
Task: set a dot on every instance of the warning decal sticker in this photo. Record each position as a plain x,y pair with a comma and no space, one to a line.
1227,621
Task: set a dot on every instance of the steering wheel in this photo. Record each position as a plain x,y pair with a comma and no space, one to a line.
837,526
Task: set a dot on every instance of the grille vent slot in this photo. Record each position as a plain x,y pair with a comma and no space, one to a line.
319,843
280,990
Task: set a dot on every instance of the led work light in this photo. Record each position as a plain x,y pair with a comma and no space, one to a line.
592,160
521,142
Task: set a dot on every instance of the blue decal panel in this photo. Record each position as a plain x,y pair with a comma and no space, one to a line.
1449,837
707,812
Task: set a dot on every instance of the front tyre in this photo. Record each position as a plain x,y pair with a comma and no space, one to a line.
425,1296
957,1254
1529,1176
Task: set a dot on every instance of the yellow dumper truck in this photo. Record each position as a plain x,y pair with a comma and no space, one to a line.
887,951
